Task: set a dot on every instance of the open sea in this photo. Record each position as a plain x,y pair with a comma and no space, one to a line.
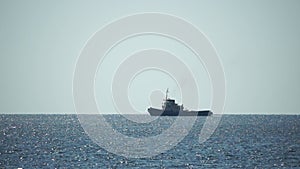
240,141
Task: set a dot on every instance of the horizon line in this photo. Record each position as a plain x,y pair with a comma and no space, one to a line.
115,113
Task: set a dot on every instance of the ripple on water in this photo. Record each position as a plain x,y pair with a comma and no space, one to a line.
240,141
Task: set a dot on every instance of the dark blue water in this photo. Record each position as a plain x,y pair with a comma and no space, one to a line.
240,141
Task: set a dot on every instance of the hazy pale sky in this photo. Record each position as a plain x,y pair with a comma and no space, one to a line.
257,42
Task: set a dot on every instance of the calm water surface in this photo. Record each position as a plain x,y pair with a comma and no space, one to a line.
240,141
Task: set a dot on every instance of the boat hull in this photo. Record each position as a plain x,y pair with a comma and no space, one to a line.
160,112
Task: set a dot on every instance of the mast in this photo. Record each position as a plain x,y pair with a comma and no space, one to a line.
167,93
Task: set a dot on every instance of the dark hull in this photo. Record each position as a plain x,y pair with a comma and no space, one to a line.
159,112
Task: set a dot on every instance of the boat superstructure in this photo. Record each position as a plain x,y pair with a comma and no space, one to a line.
171,108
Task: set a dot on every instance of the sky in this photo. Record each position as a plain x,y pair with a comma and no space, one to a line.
257,42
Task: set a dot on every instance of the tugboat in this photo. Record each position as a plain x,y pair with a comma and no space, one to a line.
171,108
